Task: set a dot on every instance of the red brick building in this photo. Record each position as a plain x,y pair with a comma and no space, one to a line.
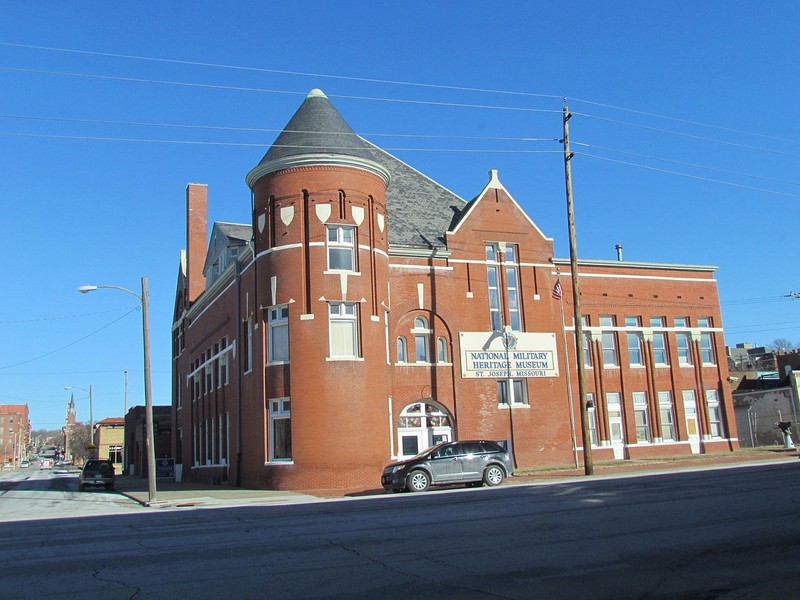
15,433
367,313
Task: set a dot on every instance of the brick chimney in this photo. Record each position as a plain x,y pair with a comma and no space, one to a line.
196,238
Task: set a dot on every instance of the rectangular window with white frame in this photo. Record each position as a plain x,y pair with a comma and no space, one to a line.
519,391
667,416
343,317
587,343
714,414
706,341
501,258
222,428
278,326
280,430
660,354
341,248
247,343
635,342
512,287
609,342
222,363
592,419
684,344
642,421
493,276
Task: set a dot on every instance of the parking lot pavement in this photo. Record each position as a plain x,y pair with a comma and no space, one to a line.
170,493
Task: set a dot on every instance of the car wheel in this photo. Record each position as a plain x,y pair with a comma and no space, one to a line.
493,475
418,481
82,488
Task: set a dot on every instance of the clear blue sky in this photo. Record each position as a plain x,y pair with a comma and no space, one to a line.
685,129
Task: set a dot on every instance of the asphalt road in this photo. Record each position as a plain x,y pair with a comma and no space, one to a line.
730,534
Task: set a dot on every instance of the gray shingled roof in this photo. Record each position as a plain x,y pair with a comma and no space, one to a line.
236,231
317,127
420,210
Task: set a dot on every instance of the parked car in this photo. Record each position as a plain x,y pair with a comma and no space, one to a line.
97,471
472,462
24,464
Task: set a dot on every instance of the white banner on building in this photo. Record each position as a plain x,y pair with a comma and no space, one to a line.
495,355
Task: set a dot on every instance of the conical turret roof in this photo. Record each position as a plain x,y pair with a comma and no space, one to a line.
316,133
420,210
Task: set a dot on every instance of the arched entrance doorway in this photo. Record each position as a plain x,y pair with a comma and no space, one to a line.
421,425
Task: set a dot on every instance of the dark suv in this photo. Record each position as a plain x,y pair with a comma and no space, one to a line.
473,462
97,471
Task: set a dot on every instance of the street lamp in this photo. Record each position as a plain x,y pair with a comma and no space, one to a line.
510,344
148,401
91,414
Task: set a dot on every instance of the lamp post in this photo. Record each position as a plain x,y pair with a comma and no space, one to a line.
510,344
91,413
148,401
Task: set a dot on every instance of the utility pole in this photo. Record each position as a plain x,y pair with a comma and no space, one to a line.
588,467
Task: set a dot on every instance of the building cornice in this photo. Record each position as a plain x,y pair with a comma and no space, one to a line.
617,264
413,252
316,159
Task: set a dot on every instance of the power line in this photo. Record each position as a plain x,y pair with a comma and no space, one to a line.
41,319
687,175
30,360
690,136
285,72
395,82
270,130
274,91
682,120
683,164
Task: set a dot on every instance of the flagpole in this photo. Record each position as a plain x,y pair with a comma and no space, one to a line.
560,295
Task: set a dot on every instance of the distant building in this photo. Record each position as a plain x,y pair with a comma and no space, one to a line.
367,313
15,433
761,404
135,448
109,440
68,443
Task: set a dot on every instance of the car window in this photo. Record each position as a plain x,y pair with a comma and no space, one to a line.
491,447
445,451
470,448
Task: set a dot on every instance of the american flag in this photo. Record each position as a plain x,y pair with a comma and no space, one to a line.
557,291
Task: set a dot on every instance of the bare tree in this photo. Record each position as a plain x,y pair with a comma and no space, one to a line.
79,443
782,345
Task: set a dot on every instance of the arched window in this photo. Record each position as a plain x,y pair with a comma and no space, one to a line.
422,425
401,349
421,340
441,350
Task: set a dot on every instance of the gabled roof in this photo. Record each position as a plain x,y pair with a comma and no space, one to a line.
224,236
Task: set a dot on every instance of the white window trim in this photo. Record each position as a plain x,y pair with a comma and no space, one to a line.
280,414
273,324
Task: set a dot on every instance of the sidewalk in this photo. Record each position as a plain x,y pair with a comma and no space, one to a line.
172,494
